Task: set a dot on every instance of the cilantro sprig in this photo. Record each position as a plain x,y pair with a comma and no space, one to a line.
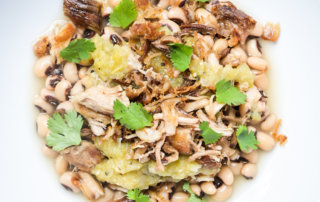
123,14
227,93
64,132
78,50
135,194
133,117
180,56
193,197
209,136
246,139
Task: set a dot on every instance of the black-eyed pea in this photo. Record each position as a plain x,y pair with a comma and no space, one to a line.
108,196
236,168
49,96
179,197
164,4
83,72
226,175
257,30
253,48
222,194
118,195
196,189
70,72
266,141
61,165
261,81
52,81
178,15
220,46
42,124
49,152
252,157
67,179
257,63
249,171
77,88
64,107
43,106
208,188
89,186
43,66
62,90
269,124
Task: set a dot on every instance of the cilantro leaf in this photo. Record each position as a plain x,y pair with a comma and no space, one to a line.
202,1
193,197
180,56
135,194
78,50
246,139
64,133
133,117
209,136
227,93
123,14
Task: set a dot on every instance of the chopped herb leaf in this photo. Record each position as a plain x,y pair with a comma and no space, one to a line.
78,50
135,194
227,93
246,139
123,14
209,136
180,56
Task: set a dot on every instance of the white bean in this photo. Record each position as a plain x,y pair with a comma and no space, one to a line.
43,66
223,193
252,157
261,81
66,179
83,72
177,13
249,170
253,49
108,196
42,124
220,46
257,63
196,189
236,167
77,88
49,152
62,90
52,81
61,164
226,175
266,141
179,197
208,188
43,106
269,123
70,72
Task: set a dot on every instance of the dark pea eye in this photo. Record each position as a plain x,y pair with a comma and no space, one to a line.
115,39
88,33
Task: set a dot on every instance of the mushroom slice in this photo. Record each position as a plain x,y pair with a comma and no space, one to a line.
181,140
85,13
84,156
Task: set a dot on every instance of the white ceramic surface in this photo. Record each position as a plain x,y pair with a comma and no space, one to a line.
288,173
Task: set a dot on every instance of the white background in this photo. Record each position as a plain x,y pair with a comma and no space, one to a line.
288,173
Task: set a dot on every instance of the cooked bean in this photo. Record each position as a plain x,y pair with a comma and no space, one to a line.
42,46
43,106
108,196
118,195
43,66
90,187
252,157
257,30
261,81
70,72
206,18
61,165
113,3
257,63
209,41
196,189
253,48
52,81
42,124
269,123
236,56
112,35
178,15
226,175
236,167
249,170
64,107
179,197
266,141
172,26
164,4
271,31
220,46
222,194
77,88
83,72
49,96
67,179
62,90
208,188
49,152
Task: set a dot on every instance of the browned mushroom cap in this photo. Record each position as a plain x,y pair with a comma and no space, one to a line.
200,28
84,13
85,156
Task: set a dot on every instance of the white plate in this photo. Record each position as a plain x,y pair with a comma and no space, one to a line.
288,173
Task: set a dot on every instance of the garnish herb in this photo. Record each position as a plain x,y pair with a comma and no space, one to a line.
227,93
123,14
246,139
78,50
133,117
180,56
64,132
209,136
193,197
135,194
